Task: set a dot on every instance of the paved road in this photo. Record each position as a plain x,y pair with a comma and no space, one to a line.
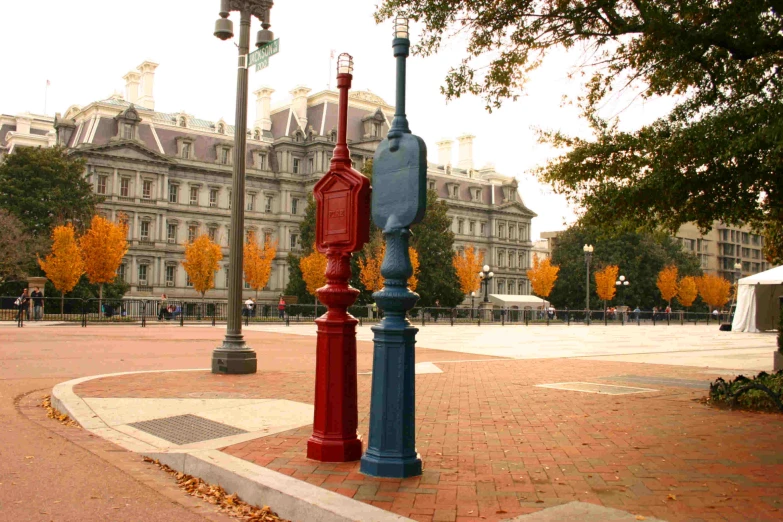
73,478
44,475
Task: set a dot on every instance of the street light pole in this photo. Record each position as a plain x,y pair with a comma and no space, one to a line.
485,275
588,250
234,356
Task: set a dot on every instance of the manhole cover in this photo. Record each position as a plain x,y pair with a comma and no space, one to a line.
662,381
590,387
186,429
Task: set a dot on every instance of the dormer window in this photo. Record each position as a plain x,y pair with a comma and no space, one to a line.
183,122
186,147
221,128
475,194
223,153
256,134
373,124
431,185
453,190
127,121
299,136
262,160
333,136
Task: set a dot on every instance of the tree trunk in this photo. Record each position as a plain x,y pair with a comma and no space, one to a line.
62,307
100,300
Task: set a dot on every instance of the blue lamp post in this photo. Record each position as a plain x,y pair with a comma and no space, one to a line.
399,199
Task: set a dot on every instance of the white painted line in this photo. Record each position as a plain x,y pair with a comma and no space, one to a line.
580,387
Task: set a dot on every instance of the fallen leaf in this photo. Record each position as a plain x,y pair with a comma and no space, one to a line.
639,517
672,497
539,501
29,457
500,512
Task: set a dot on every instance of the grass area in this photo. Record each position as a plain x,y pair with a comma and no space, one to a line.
764,392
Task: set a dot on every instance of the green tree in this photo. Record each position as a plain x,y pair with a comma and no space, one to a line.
640,256
44,187
715,156
434,241
296,284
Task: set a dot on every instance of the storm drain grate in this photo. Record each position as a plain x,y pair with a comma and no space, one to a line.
186,429
590,387
661,381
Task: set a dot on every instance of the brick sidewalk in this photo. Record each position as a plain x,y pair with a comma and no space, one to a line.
494,446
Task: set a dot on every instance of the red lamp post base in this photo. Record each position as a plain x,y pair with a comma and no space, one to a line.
334,450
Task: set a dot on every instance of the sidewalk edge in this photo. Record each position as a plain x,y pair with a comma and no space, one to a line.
291,498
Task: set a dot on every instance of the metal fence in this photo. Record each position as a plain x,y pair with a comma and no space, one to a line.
183,311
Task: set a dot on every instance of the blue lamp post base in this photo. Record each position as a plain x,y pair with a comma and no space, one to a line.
391,450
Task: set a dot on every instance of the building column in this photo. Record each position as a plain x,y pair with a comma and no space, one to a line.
135,231
115,183
138,184
134,275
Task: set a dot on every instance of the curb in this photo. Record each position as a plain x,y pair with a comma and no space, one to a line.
290,498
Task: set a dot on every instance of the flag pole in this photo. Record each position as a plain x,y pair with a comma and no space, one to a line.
46,96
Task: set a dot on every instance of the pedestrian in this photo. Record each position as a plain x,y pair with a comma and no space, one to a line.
38,303
164,309
23,302
715,314
637,312
248,307
281,308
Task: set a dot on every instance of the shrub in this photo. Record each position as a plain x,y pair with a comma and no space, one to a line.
764,392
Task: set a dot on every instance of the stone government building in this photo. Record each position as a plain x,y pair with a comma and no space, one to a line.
170,174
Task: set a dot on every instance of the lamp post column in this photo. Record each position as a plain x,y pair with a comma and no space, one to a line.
588,250
234,356
398,201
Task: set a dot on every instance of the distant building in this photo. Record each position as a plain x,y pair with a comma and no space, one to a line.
722,247
25,130
170,174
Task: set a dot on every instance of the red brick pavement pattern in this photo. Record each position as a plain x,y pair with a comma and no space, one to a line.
495,447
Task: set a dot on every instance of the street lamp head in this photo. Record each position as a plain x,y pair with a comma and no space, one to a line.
473,294
401,27
491,275
622,278
626,283
224,28
344,64
485,268
618,283
263,37
481,275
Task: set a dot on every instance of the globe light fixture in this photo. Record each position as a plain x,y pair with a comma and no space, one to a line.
401,27
345,64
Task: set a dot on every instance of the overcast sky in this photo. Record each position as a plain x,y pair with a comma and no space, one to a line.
84,47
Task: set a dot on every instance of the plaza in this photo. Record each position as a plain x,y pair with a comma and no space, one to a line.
494,442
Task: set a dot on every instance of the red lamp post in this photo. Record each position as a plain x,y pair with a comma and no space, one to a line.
342,227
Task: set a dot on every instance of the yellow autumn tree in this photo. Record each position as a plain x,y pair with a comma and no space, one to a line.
313,269
604,283
102,248
370,268
258,261
202,260
64,266
543,276
468,265
687,291
714,290
667,283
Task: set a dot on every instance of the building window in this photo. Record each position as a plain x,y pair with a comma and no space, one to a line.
294,241
251,201
256,135
186,151
511,261
194,195
755,239
461,226
472,228
212,233
455,191
483,228
262,160
431,185
224,156
501,287
146,189
294,205
173,193
188,282
192,232
221,129
145,231
121,270
521,263
333,136
296,166
745,238
229,200
170,274
127,131
171,233
125,187
102,184
213,197
501,231
226,269
268,205
311,165
512,232
142,275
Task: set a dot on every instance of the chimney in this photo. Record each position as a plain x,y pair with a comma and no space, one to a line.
263,108
147,70
299,105
444,152
23,125
465,152
132,80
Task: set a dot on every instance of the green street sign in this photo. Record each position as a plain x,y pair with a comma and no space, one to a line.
260,57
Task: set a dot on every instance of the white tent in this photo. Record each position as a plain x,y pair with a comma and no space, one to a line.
517,301
758,302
